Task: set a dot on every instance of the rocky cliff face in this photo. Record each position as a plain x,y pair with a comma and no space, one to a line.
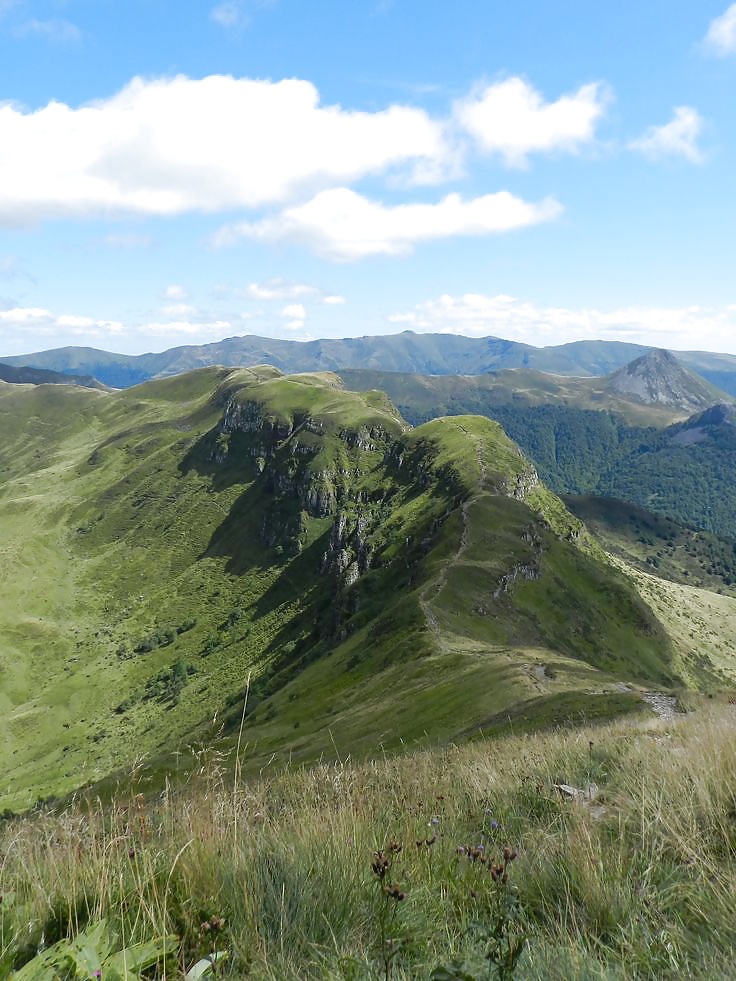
355,476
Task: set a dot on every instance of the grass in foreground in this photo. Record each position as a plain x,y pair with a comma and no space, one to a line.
285,874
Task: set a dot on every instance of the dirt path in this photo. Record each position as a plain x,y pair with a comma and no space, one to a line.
433,589
664,705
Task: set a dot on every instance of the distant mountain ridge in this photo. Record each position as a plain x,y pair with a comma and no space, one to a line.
428,354
655,389
42,376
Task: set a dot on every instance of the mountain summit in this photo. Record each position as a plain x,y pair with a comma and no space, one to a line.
657,377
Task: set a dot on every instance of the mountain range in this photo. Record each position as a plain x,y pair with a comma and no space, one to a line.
369,585
653,433
407,352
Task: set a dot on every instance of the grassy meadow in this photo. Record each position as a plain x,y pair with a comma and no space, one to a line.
395,868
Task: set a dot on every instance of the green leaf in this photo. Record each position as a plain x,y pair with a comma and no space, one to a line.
139,956
204,967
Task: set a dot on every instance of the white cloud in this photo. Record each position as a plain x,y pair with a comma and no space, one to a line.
294,310
179,310
282,289
676,138
60,31
25,315
69,320
344,226
170,146
511,118
20,322
175,292
294,325
721,37
478,315
28,328
279,289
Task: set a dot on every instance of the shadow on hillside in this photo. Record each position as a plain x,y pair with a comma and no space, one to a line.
237,467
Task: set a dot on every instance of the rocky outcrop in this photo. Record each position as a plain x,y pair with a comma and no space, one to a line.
528,570
522,485
349,552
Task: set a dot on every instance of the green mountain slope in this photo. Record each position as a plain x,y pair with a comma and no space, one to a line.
655,543
586,436
168,547
408,352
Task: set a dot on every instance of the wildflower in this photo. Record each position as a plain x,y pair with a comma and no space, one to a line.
380,865
460,850
434,822
394,891
494,825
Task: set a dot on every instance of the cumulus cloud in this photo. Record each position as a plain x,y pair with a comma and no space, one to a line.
678,138
21,327
282,289
479,315
279,289
175,292
294,310
170,146
511,119
18,323
721,37
345,226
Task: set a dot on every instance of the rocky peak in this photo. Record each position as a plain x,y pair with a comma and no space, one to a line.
657,377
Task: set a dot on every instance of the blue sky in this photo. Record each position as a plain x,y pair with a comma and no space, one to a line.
178,173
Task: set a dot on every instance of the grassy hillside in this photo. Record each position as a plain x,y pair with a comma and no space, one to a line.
623,866
372,587
654,543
